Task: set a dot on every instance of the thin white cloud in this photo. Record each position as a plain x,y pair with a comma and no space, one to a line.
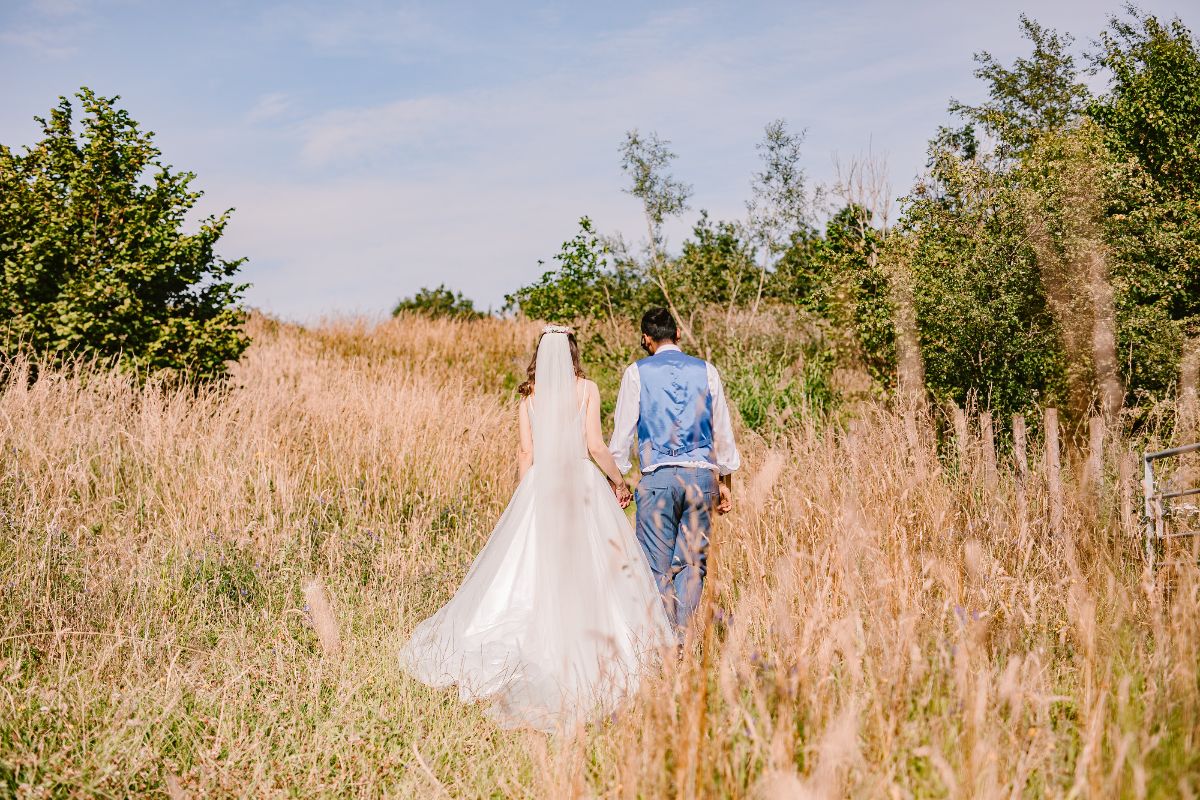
269,107
47,42
59,8
348,135
53,29
388,28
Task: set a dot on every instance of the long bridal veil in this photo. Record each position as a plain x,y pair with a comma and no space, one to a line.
558,445
553,621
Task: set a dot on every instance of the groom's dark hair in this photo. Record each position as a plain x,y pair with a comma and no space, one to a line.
659,325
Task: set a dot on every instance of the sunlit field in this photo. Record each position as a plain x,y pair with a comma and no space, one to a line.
892,615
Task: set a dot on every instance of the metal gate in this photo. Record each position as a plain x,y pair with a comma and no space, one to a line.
1166,518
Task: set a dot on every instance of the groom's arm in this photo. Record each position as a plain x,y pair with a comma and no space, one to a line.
725,450
625,418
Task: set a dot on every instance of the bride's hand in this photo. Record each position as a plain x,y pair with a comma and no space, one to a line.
622,493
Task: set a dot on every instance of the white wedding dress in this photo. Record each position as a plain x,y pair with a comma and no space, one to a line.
559,613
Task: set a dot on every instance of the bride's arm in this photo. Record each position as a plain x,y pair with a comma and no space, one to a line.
595,438
525,448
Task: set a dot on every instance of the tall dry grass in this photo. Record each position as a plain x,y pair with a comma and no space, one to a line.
883,627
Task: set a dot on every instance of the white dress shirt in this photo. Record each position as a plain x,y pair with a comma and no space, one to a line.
625,422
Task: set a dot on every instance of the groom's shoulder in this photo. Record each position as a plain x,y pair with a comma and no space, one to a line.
688,358
676,356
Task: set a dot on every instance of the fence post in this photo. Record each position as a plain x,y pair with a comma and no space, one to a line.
1054,471
987,433
1125,470
1021,457
960,436
1019,444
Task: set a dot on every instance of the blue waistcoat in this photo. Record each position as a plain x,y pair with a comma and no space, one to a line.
675,420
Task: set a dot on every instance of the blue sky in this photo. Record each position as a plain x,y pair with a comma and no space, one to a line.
371,148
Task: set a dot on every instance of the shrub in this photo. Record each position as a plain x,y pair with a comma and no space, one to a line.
94,257
439,302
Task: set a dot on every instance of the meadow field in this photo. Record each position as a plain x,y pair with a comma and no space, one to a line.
887,623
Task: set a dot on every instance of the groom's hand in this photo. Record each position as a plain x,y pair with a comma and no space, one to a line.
622,492
725,501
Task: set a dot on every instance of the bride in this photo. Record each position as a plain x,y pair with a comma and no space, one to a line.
559,611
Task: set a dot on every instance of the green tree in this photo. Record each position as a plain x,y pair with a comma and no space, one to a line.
1037,94
646,162
857,299
780,206
1052,171
584,284
438,302
835,277
1062,184
94,254
986,331
1150,121
714,268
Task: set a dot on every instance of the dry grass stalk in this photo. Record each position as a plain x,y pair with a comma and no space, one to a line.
175,788
765,479
324,621
1094,472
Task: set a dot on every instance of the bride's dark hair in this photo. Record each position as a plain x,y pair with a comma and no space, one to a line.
526,388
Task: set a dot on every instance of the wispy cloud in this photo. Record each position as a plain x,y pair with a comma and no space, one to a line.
43,41
60,8
53,29
361,29
349,135
270,106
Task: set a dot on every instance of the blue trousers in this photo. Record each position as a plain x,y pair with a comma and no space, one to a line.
674,518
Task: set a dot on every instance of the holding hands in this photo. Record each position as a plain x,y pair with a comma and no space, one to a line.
624,496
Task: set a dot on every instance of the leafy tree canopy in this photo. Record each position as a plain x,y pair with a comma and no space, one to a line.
94,253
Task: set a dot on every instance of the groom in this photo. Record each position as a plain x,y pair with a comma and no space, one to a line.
675,406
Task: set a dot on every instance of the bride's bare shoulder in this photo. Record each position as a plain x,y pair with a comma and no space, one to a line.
586,389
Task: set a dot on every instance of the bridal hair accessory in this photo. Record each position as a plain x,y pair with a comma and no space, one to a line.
557,329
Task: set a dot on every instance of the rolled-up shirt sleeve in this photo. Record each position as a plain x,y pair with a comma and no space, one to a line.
725,451
625,418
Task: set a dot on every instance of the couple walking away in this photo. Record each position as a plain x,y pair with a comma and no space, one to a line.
562,608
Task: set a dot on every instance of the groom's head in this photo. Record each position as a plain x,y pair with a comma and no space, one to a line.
658,328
